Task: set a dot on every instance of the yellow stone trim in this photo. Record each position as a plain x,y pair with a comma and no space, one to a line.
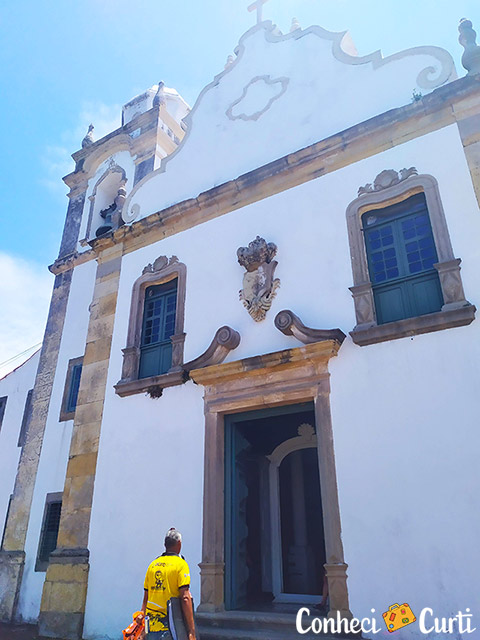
316,354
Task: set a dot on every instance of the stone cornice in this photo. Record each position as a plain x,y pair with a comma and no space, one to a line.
442,107
317,354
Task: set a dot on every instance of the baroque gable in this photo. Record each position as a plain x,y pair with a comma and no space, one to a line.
280,94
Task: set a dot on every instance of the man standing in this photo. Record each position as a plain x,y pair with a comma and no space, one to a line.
168,576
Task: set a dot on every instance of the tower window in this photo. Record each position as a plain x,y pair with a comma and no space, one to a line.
158,326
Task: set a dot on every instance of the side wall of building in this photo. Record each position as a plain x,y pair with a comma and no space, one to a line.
15,387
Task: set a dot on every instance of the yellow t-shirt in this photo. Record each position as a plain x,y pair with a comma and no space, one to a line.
165,576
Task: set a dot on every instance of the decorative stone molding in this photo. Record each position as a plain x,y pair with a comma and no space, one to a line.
451,283
161,270
291,325
456,317
225,340
388,188
386,179
468,40
273,379
263,107
259,286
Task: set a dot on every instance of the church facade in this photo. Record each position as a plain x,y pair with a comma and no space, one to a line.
262,332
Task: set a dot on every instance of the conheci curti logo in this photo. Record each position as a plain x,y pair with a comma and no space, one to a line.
396,617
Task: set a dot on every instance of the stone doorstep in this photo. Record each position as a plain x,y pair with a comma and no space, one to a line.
254,625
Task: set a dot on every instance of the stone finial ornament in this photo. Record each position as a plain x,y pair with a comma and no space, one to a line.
88,139
259,286
295,25
468,40
229,62
387,178
159,98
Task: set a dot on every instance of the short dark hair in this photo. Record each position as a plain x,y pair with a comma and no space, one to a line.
172,538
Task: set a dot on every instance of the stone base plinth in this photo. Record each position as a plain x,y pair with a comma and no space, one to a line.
64,595
11,572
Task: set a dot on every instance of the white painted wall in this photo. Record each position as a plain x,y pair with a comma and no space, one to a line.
56,442
15,386
404,412
315,84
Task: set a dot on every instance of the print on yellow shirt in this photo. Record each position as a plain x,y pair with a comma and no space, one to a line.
165,576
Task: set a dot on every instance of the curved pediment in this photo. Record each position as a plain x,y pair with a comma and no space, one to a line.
280,94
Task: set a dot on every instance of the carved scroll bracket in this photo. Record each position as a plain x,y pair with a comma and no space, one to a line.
291,325
225,340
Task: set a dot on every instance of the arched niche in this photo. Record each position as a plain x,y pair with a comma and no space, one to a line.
106,191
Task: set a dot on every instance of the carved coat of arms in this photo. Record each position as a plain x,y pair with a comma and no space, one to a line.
259,285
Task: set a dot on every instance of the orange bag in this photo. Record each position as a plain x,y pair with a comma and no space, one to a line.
136,630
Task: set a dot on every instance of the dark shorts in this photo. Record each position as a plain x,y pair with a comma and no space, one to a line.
159,635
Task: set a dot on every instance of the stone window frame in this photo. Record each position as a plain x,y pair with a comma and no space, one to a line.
456,310
64,413
161,271
42,565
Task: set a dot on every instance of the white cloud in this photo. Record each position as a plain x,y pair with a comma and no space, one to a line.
25,291
57,159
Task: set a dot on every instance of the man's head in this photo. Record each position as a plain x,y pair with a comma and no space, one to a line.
173,541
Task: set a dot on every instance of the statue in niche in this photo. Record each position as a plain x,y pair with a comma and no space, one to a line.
259,285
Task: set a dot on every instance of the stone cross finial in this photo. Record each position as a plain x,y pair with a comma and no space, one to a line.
468,40
88,139
295,25
159,98
258,6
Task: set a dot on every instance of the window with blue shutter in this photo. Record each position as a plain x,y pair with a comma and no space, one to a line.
401,253
158,326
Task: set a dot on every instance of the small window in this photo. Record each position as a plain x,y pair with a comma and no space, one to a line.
3,404
70,393
27,412
401,253
49,533
159,314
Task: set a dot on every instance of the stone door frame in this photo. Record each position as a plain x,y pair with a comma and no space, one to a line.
285,377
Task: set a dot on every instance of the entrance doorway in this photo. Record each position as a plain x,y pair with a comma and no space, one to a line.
274,540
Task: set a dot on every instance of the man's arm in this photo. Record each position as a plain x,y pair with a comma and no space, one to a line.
145,600
187,610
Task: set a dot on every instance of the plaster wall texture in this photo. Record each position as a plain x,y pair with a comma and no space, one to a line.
15,386
403,412
281,94
104,196
56,442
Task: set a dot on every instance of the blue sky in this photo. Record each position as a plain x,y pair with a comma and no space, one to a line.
68,62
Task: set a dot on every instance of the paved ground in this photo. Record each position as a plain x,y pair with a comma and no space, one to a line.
18,632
